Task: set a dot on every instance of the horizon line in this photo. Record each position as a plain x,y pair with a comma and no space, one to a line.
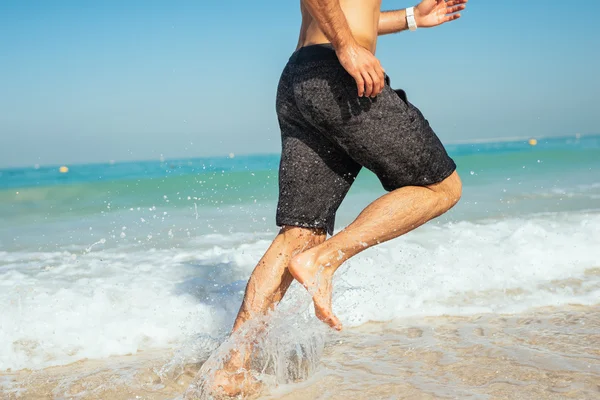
512,139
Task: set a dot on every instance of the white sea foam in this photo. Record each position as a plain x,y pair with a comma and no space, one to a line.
504,267
59,307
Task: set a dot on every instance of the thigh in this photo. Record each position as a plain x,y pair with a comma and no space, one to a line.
390,136
314,177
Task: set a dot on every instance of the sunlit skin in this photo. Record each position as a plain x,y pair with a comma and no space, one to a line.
352,26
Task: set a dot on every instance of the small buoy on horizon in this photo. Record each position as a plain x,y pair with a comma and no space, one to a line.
63,169
532,142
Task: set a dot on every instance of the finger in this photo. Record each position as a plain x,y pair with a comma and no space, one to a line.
452,17
377,80
456,3
381,74
368,83
360,84
451,10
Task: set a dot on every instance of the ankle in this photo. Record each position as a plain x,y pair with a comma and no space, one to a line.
329,261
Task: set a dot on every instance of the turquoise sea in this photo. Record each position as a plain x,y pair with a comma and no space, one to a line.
112,259
231,194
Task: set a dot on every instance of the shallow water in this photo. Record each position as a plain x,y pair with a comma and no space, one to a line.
550,353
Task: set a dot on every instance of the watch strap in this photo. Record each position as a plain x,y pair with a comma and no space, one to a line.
410,18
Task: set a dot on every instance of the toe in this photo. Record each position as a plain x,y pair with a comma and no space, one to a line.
335,323
329,318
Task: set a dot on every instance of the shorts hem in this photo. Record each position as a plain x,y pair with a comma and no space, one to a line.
439,178
288,222
445,175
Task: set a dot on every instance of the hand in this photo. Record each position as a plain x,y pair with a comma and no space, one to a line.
364,67
430,13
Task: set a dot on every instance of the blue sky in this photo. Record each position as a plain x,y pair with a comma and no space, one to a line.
92,81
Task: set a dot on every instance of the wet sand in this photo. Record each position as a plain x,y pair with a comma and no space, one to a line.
550,353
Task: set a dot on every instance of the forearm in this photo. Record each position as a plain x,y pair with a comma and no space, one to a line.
331,20
392,22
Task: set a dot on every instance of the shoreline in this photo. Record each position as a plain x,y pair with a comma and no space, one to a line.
545,353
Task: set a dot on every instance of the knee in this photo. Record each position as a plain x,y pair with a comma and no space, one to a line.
449,191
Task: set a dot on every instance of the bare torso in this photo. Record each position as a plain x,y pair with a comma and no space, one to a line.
362,17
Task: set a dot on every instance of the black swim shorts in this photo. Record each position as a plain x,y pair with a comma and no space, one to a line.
328,134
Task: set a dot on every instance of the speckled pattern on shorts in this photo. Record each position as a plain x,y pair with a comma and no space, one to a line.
328,134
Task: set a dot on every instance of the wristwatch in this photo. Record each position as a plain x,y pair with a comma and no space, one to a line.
410,18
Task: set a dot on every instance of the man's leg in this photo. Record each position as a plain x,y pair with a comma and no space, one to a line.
390,216
270,279
266,287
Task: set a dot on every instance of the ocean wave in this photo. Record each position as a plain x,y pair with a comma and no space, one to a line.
64,306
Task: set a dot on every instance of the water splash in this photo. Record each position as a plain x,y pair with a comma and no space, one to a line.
281,348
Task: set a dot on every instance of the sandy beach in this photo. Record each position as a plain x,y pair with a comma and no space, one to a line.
548,353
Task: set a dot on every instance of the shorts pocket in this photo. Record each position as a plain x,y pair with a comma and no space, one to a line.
360,109
323,97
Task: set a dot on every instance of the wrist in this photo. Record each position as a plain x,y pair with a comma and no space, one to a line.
418,16
345,45
412,18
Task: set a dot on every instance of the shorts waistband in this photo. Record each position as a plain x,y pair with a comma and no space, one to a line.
314,52
326,52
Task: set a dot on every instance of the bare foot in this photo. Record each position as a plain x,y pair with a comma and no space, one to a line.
232,379
318,281
234,384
